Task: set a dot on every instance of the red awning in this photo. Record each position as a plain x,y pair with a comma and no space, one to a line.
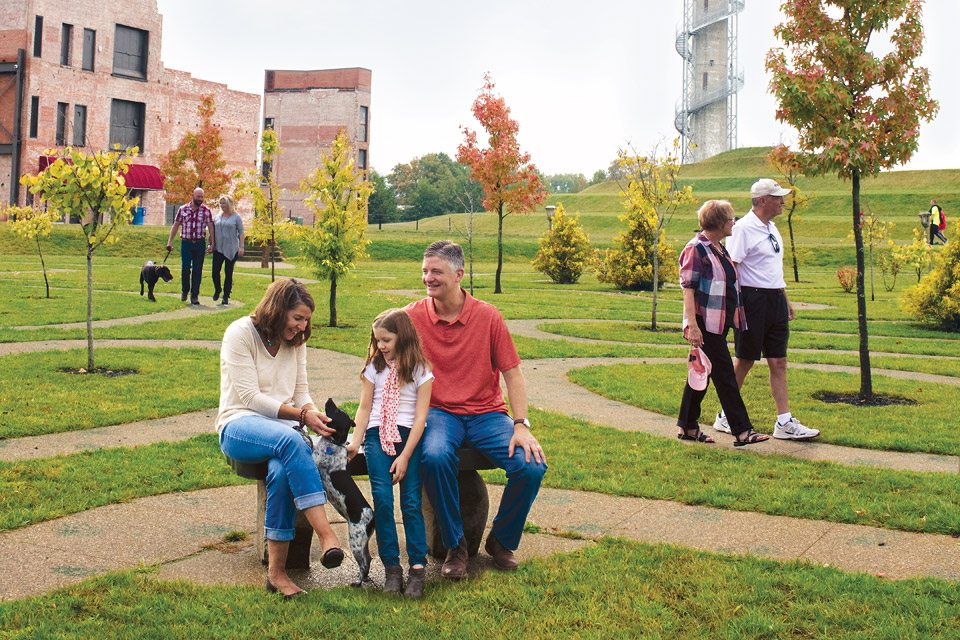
138,176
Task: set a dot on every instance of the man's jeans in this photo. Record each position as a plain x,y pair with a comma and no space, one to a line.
191,256
292,476
489,433
381,486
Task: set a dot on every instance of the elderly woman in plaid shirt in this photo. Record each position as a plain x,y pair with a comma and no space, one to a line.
711,306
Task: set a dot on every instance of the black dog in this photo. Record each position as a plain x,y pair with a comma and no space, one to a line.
330,455
150,273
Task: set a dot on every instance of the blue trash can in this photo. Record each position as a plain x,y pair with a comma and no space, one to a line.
138,214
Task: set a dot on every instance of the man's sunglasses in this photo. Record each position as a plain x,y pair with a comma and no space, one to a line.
776,245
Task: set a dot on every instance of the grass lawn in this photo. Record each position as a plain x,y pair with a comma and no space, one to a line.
614,589
40,399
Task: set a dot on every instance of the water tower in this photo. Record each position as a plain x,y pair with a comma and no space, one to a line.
706,115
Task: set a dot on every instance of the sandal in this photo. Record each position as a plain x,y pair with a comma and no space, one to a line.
750,437
699,437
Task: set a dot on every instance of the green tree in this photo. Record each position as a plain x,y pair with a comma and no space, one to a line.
197,161
651,195
93,188
919,254
382,206
874,231
856,112
936,298
566,182
269,224
564,250
337,192
32,223
599,177
510,182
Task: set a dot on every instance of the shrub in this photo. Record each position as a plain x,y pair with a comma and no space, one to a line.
631,266
889,263
936,298
564,250
847,277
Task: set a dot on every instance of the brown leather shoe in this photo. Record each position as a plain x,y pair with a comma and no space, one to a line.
503,558
455,566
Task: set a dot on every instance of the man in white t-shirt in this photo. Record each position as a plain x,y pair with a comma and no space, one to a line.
756,250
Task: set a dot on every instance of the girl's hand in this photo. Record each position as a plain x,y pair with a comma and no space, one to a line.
693,336
352,451
317,421
399,469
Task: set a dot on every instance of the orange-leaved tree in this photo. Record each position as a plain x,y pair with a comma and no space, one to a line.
510,182
197,161
857,110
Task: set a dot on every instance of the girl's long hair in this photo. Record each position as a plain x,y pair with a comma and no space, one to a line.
408,351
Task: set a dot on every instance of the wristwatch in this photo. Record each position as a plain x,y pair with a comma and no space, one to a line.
522,421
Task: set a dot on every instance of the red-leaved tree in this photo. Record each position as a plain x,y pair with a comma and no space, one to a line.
856,111
197,161
510,183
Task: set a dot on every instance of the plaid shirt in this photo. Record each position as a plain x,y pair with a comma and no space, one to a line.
702,271
193,222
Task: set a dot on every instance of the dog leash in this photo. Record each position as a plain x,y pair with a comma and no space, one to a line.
165,257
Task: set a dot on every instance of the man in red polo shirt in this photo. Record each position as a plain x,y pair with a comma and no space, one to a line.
469,346
193,220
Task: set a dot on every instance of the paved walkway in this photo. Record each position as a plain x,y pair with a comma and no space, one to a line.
184,532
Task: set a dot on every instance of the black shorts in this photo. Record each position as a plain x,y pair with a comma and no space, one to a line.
768,325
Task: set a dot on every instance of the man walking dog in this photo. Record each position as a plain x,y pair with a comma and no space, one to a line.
193,220
755,249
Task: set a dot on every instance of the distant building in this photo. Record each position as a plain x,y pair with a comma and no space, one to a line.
89,75
307,109
706,115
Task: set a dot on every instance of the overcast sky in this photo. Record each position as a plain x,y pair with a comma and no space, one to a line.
582,78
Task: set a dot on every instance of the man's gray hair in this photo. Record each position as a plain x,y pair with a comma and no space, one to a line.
450,252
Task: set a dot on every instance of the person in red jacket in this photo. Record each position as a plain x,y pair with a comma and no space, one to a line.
938,223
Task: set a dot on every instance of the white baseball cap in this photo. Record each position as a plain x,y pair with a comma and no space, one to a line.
767,187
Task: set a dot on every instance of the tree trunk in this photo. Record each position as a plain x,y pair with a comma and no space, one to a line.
263,253
871,269
89,310
793,249
470,245
43,266
273,260
866,382
656,275
333,300
496,288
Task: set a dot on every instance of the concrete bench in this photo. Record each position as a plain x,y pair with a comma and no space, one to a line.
474,507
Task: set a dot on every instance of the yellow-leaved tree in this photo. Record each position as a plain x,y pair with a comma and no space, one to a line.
32,223
564,250
269,225
337,192
93,188
650,193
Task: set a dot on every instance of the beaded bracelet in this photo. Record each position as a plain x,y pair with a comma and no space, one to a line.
303,415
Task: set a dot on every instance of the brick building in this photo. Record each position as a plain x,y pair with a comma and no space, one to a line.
89,74
307,109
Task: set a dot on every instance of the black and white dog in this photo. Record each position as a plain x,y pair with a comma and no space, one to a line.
150,273
330,454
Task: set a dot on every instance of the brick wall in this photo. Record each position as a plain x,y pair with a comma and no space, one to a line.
308,109
170,97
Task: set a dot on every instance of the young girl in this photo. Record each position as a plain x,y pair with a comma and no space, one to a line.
392,415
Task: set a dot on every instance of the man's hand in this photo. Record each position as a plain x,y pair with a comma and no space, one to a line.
524,439
209,248
790,314
169,247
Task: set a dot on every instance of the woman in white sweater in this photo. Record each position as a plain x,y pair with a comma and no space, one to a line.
263,398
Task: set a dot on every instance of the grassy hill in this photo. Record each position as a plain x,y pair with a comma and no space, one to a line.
896,196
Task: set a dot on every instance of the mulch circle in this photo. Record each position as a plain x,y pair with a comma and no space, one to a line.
109,373
854,399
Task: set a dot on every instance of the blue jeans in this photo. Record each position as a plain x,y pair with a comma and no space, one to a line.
191,257
381,485
293,481
489,433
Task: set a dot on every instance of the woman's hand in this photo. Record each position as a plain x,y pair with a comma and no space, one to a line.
317,421
352,451
693,336
399,468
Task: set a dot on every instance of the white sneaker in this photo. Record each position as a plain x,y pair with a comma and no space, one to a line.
793,430
721,424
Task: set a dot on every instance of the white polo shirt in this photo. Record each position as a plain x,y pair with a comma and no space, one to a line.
759,264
